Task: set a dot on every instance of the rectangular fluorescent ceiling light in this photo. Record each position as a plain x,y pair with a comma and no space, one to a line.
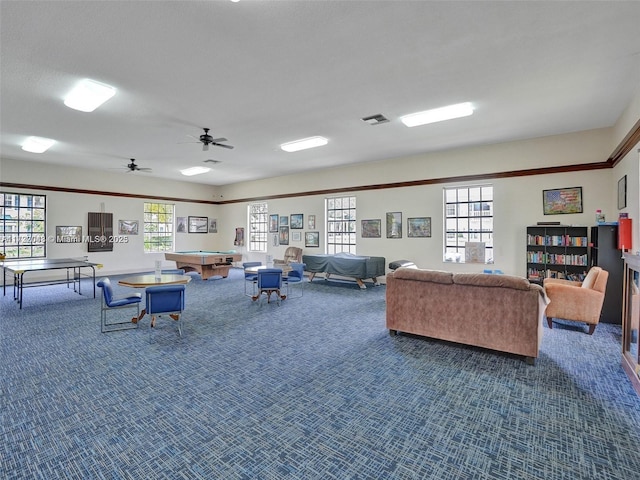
188,172
438,114
303,144
89,95
37,144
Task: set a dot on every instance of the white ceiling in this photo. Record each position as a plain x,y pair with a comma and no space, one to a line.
261,73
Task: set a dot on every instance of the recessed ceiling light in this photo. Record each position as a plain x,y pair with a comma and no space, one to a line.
303,144
37,144
89,95
438,114
194,171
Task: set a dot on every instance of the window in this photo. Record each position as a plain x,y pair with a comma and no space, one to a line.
341,224
258,227
158,227
23,225
468,218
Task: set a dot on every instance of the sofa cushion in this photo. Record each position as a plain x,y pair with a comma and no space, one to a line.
421,275
486,280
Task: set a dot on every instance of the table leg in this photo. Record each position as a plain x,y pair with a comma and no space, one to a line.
139,317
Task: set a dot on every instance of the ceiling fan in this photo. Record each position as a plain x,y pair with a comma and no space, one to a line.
207,140
132,167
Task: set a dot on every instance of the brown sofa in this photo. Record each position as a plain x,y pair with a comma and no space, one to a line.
498,312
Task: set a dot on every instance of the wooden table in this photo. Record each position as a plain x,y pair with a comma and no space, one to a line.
285,269
150,280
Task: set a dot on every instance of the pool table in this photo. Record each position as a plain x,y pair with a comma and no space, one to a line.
206,263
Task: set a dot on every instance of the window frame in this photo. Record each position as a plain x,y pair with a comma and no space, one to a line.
148,233
475,211
341,224
258,226
24,239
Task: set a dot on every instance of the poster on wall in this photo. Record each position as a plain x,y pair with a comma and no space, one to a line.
562,200
239,240
474,252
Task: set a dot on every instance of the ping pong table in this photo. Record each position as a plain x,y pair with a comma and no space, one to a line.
73,268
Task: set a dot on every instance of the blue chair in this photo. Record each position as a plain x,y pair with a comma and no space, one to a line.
295,276
165,300
110,302
269,281
250,277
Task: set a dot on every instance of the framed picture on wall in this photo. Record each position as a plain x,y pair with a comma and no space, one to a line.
297,221
419,227
284,235
284,221
296,236
198,224
311,222
127,227
622,193
312,239
562,200
273,223
371,228
69,234
394,224
181,224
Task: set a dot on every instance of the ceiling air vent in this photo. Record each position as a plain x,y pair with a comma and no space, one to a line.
376,119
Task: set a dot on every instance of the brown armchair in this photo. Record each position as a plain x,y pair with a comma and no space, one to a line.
577,301
291,254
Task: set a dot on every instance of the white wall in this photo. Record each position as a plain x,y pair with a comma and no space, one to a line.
518,200
590,146
70,209
518,203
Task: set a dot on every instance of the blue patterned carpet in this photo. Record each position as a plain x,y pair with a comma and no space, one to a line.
312,389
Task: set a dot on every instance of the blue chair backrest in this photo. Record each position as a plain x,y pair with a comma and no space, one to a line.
298,270
173,271
107,291
250,264
270,278
165,298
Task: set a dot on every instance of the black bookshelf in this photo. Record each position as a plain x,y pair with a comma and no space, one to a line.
557,252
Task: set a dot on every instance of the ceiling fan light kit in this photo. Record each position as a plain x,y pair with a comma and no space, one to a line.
89,95
304,144
438,114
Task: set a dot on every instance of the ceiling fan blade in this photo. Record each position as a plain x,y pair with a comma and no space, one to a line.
222,145
216,140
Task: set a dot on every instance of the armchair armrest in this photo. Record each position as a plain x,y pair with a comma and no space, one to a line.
573,303
560,281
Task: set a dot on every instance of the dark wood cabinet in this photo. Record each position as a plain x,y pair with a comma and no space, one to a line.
631,320
604,253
